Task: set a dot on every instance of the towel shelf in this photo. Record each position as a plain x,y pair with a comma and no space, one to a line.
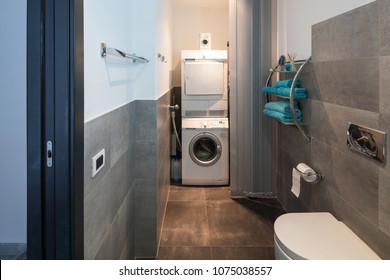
291,97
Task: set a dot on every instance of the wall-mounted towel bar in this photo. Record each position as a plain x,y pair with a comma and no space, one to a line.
104,51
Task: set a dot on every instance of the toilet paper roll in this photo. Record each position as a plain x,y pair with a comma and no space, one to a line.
307,173
296,182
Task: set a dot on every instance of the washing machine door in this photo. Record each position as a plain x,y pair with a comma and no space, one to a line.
205,149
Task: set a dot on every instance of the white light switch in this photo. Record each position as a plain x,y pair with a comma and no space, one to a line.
98,162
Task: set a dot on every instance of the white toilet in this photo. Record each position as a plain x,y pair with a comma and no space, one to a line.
317,236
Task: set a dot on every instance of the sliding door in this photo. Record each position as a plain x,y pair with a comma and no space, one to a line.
253,144
55,124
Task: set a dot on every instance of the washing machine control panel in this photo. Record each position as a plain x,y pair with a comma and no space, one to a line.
218,123
205,123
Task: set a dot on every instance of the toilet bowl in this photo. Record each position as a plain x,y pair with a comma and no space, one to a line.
317,236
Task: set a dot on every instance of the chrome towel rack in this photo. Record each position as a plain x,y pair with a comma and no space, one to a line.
104,51
292,91
305,134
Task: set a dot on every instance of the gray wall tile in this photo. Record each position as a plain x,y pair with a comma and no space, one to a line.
292,142
384,27
146,158
101,207
96,138
354,178
163,143
384,181
146,115
128,252
330,122
119,132
163,190
105,193
384,85
384,205
121,221
163,158
116,237
349,83
351,35
146,219
163,114
289,201
152,172
13,248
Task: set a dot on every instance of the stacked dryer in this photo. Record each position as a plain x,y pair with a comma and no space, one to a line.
205,125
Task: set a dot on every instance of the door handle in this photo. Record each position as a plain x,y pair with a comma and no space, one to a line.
49,154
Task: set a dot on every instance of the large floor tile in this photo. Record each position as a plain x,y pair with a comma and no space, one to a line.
185,224
204,222
238,224
186,193
217,193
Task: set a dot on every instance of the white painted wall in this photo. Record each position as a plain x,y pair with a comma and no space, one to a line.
152,23
143,22
140,27
164,43
107,85
296,17
13,124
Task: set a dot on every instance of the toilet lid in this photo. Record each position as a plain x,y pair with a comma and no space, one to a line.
319,236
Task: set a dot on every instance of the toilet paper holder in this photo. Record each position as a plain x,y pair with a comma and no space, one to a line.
311,176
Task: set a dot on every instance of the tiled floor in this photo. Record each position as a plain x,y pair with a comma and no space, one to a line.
204,223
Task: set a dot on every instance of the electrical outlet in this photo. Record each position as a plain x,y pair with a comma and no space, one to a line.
98,162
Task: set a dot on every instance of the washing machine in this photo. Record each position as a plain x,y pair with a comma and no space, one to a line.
205,151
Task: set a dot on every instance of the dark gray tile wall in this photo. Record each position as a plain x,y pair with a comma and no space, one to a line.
12,249
109,198
163,158
152,172
347,81
125,202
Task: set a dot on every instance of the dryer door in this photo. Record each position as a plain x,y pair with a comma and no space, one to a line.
204,78
205,149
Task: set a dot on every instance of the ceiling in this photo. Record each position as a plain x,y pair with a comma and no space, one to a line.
201,3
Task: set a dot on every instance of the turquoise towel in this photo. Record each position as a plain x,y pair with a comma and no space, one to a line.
270,90
299,93
282,107
281,117
286,83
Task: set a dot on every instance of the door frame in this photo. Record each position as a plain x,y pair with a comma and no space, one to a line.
55,112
